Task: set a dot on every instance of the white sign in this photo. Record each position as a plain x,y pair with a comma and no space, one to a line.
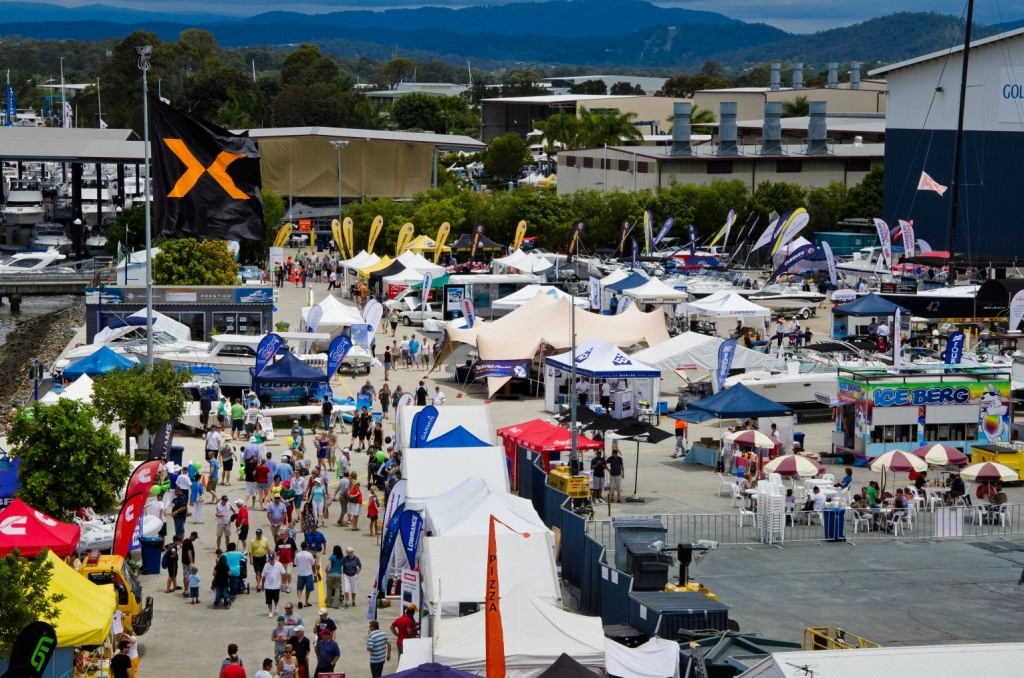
276,257
1016,311
410,587
1010,94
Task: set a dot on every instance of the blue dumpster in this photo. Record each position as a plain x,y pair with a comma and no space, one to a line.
152,551
798,439
834,521
176,453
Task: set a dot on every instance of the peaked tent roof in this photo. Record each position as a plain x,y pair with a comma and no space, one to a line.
335,313
536,633
465,242
538,435
104,360
597,359
288,368
424,243
524,262
566,667
690,350
630,281
80,390
466,509
725,304
654,291
457,437
419,262
367,269
393,268
30,531
735,402
87,610
161,323
615,276
869,305
360,260
524,294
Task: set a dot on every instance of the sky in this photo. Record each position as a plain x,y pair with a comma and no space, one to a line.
798,16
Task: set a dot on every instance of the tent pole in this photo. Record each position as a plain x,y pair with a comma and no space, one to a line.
636,469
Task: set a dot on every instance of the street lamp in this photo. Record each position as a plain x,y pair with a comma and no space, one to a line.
338,145
145,52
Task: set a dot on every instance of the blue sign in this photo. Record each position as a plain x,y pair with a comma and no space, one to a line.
266,351
336,354
936,395
955,348
423,424
410,525
726,352
254,295
12,110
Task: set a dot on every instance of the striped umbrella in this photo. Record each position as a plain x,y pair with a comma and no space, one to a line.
938,454
794,465
751,438
898,461
988,472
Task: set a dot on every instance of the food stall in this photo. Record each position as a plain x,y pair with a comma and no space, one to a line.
633,385
883,409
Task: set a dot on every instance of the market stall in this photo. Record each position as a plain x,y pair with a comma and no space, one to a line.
725,307
852,319
335,317
695,353
104,360
900,408
289,380
31,531
596,362
524,262
543,438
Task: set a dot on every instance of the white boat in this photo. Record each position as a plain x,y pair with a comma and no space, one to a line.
232,355
90,210
705,285
129,337
51,236
866,262
33,262
24,205
99,534
787,297
800,383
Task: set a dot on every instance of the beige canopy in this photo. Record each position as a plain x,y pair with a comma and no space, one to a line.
545,320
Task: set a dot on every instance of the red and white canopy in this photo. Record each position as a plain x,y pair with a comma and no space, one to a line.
30,531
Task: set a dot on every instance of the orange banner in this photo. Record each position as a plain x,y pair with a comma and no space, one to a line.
495,635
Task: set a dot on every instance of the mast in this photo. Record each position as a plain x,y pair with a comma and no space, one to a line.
959,145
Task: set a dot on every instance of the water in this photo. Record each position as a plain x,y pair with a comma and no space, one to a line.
32,307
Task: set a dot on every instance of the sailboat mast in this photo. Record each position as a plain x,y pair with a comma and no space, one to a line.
959,145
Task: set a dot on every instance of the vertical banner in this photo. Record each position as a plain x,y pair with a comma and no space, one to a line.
769,233
665,228
923,245
131,512
955,348
428,280
796,256
791,227
442,237
726,352
372,314
897,340
142,478
730,219
339,239
885,241
624,303
648,231
520,234
907,230
387,546
478,232
375,228
1016,311
574,238
32,650
404,238
422,424
595,294
693,241
12,108
635,252
348,233
623,234
467,311
495,634
163,437
340,347
313,318
830,259
410,526
266,351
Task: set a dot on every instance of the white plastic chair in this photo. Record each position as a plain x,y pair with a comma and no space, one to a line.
726,482
935,500
746,512
897,525
736,496
831,479
861,519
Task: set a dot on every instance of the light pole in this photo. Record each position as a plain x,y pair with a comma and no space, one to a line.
145,52
338,145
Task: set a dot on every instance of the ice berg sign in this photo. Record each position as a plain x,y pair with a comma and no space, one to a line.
938,395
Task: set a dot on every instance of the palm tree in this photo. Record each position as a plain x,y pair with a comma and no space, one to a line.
560,130
797,108
607,127
698,117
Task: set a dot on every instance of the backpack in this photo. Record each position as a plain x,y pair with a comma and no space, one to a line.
165,561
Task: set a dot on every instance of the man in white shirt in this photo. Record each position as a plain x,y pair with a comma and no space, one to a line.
214,440
582,391
818,499
438,397
273,572
304,563
224,513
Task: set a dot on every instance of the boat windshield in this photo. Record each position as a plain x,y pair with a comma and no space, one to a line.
779,288
20,262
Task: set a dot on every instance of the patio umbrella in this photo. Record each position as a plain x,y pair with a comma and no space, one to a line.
640,433
938,454
752,438
432,670
988,472
898,461
794,465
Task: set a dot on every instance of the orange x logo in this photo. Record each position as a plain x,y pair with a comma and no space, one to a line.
194,170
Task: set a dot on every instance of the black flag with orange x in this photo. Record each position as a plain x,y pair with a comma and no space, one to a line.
206,180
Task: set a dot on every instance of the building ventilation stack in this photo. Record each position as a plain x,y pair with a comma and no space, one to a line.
727,128
681,129
833,75
817,129
798,76
771,135
854,75
776,81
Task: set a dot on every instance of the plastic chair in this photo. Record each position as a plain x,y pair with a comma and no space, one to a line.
736,496
746,512
861,519
897,524
725,481
935,500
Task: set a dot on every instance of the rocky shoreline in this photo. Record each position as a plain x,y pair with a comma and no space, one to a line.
43,337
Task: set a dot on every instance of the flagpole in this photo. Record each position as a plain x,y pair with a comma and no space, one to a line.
145,52
63,98
958,147
99,104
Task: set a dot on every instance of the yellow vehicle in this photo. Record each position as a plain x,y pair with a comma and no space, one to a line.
135,614
577,487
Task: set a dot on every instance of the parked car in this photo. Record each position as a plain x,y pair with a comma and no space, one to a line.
415,314
248,274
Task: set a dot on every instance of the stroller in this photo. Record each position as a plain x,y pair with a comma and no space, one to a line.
243,572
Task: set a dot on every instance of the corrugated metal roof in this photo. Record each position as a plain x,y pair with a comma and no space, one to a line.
445,140
54,150
708,152
67,133
945,52
920,661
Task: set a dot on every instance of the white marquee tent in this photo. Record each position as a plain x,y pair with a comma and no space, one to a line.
432,471
476,419
525,262
725,304
80,390
351,267
692,351
521,296
336,316
597,359
420,263
536,634
467,508
654,291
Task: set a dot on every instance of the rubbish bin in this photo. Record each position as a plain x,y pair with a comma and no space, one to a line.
152,552
176,453
834,521
635,530
798,439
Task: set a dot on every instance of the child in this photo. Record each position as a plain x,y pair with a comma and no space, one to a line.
372,508
193,585
268,664
280,637
196,495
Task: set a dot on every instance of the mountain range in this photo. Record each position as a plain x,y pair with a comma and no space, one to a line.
586,33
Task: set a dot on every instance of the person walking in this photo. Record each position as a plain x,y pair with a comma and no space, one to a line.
616,474
179,512
421,395
384,396
378,645
273,575
224,514
438,399
327,653
277,512
355,504
169,562
388,363
242,521
221,580
258,550
351,566
406,626
333,585
305,562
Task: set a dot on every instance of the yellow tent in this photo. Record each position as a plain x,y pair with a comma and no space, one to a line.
384,262
87,610
423,243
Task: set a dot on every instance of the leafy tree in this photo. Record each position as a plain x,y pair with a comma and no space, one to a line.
561,130
698,118
589,87
25,596
684,86
458,117
306,66
255,251
827,205
865,199
626,89
396,71
429,215
418,111
506,156
198,49
523,83
187,261
128,230
607,127
67,462
779,197
140,398
796,108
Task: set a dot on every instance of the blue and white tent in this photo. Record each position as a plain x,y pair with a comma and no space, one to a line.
597,360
